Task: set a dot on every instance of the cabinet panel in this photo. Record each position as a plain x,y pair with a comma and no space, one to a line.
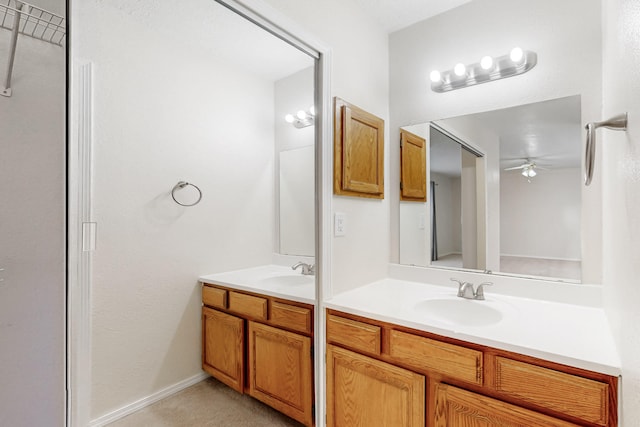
223,347
214,297
291,316
353,334
580,397
364,392
358,152
255,307
460,408
447,359
280,371
413,167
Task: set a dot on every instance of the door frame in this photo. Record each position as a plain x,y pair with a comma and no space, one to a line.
81,228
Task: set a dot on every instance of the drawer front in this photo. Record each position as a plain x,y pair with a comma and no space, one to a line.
291,317
353,334
214,297
248,305
569,394
447,359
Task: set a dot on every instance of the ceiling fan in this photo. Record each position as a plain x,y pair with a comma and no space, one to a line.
528,167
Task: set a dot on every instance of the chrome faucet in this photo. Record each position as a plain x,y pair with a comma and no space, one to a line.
307,270
465,289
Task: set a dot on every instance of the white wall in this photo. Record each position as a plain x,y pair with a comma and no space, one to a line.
359,50
621,187
569,51
550,204
32,242
165,112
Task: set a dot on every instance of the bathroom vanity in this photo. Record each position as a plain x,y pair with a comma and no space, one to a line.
257,336
384,350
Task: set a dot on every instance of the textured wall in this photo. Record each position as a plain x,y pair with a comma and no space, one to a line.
621,188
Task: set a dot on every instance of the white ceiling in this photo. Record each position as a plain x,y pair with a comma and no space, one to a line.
394,15
547,133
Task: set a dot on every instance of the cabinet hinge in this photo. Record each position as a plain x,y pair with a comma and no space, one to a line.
401,186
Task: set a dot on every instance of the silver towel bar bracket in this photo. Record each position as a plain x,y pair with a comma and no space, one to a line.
618,122
182,184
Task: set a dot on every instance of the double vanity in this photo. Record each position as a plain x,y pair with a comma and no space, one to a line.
405,353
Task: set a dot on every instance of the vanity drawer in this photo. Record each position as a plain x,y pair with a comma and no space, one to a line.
214,297
426,354
255,307
569,394
291,317
353,334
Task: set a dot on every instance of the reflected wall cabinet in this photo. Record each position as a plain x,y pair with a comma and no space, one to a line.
413,167
261,346
358,163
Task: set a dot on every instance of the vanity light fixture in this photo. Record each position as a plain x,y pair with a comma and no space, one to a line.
516,62
302,118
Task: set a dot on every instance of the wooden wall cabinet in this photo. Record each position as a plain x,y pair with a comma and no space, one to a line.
467,385
358,152
413,167
261,346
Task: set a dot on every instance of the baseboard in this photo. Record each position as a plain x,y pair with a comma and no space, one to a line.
146,401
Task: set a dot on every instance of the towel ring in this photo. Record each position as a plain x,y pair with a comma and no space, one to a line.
182,184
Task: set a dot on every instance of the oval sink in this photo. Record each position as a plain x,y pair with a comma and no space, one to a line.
460,311
288,280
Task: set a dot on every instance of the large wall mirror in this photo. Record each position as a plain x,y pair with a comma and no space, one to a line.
504,158
538,148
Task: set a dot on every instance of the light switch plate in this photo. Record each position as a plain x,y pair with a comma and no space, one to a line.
339,224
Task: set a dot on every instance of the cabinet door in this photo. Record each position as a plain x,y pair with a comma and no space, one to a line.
280,371
223,347
456,407
413,167
364,392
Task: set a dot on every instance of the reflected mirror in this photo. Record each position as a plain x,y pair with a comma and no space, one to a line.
295,163
534,150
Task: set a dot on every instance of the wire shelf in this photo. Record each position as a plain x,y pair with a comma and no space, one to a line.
34,22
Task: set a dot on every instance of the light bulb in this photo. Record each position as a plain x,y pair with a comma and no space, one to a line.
301,115
435,76
460,69
486,62
532,173
289,118
516,54
312,110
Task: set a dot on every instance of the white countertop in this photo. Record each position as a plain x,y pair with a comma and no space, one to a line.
273,280
563,333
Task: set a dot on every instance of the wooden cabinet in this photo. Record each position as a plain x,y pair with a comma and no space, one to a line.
358,152
364,392
262,346
413,167
223,347
280,371
456,407
467,385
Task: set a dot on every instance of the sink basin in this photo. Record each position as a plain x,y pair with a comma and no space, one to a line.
460,311
288,280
